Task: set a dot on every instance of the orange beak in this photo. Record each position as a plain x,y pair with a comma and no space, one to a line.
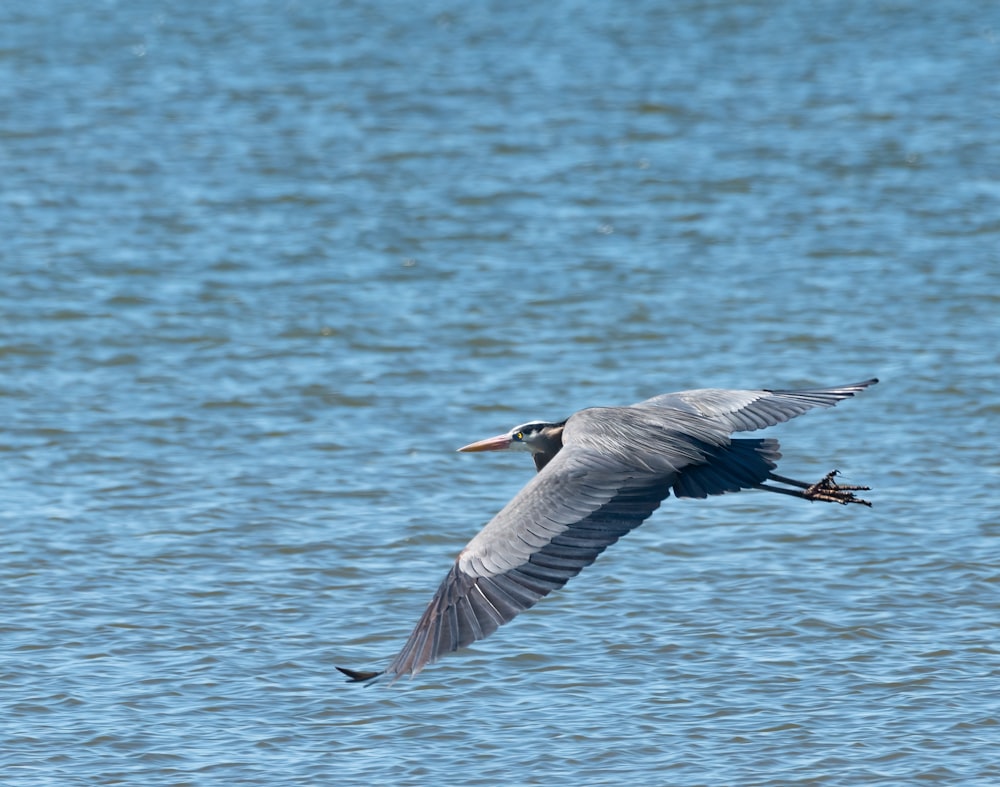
498,443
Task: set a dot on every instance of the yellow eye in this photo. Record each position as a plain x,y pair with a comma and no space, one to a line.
520,435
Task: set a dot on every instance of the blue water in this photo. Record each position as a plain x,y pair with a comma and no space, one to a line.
265,266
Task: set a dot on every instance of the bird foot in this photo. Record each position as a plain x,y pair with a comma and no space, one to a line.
830,491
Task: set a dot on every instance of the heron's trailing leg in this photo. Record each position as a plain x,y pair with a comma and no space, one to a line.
825,489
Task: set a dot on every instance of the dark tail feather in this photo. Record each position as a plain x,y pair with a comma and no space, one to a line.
742,464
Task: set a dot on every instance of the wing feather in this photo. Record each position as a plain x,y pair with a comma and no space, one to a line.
745,411
475,599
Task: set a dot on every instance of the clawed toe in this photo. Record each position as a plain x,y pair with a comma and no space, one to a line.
829,490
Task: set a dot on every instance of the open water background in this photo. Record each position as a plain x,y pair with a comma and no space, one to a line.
265,265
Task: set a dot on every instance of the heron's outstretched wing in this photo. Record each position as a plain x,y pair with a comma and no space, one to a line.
615,467
744,411
559,523
583,501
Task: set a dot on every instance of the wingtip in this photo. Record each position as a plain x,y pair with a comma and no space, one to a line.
858,387
359,676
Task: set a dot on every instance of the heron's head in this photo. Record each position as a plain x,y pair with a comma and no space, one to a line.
538,437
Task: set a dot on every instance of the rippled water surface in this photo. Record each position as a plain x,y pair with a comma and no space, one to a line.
266,265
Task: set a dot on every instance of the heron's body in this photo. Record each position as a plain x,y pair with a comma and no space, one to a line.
601,473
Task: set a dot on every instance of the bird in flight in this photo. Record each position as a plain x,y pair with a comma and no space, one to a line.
601,473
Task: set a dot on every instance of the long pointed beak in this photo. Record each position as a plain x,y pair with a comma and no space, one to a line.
498,443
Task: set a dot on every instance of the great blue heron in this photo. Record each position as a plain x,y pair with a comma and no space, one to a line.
601,473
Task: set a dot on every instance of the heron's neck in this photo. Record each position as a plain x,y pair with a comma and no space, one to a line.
547,448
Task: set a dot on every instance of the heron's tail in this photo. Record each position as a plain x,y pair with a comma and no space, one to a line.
742,464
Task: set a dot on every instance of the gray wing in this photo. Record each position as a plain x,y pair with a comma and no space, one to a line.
590,495
559,523
744,411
